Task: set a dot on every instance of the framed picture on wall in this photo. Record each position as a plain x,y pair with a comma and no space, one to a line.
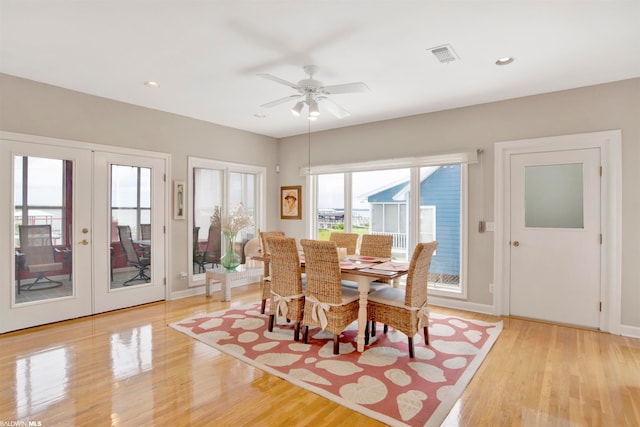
178,199
291,202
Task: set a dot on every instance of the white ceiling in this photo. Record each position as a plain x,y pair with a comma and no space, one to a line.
206,54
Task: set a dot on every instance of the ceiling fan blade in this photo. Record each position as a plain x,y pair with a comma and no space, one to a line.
345,88
333,108
280,101
279,80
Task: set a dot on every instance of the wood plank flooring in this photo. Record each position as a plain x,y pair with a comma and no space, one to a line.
127,368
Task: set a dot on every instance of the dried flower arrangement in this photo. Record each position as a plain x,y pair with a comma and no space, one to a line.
234,222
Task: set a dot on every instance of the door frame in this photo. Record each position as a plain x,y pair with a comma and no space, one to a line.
610,145
67,143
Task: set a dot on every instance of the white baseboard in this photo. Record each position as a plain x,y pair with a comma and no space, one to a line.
461,305
630,331
198,289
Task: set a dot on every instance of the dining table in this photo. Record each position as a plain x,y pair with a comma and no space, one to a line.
364,271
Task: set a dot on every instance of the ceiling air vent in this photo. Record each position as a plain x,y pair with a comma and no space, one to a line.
444,53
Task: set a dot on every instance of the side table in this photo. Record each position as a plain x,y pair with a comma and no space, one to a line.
225,277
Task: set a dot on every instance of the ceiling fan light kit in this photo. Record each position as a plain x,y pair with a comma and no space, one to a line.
297,109
313,92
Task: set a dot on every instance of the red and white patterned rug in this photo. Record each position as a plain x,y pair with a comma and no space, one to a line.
382,382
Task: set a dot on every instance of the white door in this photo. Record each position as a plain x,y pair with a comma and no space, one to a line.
46,255
129,198
62,257
555,236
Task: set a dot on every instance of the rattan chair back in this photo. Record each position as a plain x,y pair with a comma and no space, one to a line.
376,245
266,277
286,274
263,240
345,240
322,267
418,276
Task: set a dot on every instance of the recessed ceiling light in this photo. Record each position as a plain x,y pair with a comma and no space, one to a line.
504,61
260,115
152,84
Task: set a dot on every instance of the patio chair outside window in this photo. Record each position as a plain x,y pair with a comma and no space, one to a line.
39,256
212,252
133,258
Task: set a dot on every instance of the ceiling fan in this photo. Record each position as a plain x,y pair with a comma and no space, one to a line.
312,92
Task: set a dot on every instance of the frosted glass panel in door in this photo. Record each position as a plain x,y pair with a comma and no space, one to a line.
553,196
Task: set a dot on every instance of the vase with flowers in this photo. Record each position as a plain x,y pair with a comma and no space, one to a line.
231,224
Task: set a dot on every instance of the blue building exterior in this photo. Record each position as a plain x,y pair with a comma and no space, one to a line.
439,190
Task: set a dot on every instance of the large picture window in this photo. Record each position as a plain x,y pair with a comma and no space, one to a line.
379,201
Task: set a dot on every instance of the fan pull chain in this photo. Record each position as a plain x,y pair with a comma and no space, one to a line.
309,146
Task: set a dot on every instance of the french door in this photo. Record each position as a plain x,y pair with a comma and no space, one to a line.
129,196
61,258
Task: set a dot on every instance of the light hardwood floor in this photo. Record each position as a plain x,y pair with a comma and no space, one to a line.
127,368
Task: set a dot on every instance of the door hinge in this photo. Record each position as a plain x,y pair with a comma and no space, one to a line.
600,306
164,229
600,170
164,176
164,280
600,238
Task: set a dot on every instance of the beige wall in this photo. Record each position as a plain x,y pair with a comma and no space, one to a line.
596,108
38,109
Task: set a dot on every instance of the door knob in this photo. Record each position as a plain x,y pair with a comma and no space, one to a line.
516,243
84,242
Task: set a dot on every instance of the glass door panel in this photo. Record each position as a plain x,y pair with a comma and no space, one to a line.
553,196
43,256
131,224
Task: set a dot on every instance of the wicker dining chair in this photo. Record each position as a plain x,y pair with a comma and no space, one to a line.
376,245
406,311
328,304
287,298
379,246
345,240
266,276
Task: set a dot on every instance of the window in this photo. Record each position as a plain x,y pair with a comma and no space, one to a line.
330,198
39,195
440,202
221,186
379,200
130,199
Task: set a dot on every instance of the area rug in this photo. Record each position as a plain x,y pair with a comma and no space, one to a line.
382,382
